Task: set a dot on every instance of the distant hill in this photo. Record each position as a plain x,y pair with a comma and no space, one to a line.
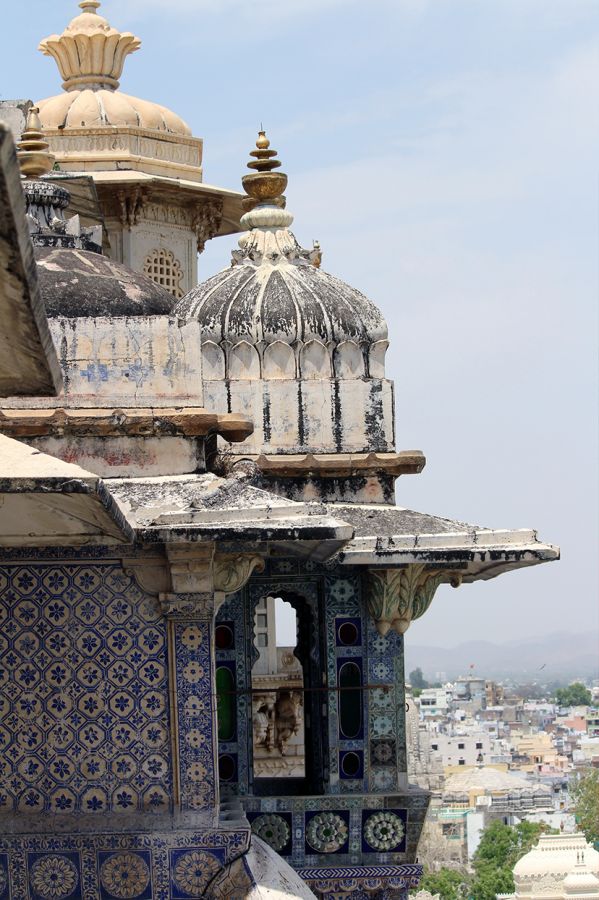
561,655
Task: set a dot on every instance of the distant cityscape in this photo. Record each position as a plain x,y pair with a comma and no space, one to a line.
496,750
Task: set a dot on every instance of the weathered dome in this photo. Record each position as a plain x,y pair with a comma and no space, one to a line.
90,55
275,290
286,298
78,283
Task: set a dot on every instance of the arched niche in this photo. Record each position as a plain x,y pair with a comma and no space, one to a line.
244,362
213,362
376,359
278,361
349,360
315,361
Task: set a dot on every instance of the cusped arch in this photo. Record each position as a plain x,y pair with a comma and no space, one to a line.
315,361
376,359
349,360
244,362
213,361
278,361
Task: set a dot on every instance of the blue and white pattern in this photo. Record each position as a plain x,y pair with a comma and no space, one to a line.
84,699
157,866
195,713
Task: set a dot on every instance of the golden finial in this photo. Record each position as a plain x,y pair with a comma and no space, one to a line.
33,153
263,185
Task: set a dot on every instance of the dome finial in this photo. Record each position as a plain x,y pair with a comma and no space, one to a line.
263,185
33,153
90,53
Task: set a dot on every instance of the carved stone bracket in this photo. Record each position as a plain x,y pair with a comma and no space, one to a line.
131,203
398,596
206,221
191,568
232,571
185,606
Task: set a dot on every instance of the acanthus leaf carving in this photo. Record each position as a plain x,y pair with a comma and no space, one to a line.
232,571
398,596
207,221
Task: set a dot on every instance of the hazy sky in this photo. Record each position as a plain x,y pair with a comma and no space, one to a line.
444,152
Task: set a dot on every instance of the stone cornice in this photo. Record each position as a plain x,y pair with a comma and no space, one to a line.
129,422
338,465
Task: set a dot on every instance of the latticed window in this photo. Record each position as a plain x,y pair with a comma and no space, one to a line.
162,267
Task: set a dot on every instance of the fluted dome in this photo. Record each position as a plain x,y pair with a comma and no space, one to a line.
275,290
284,298
90,55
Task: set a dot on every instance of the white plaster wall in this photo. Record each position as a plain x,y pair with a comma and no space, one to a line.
133,361
139,242
136,457
280,404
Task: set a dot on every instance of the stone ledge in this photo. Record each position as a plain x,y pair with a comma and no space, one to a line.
339,465
129,422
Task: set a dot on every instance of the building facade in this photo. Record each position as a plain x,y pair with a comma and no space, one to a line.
199,461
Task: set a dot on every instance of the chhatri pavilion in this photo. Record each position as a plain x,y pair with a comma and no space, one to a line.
176,459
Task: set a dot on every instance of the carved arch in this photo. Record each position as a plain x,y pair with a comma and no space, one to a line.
315,360
213,362
278,361
376,359
244,362
349,360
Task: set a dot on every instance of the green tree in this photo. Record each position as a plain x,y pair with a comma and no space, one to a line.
500,848
417,679
585,793
450,884
574,695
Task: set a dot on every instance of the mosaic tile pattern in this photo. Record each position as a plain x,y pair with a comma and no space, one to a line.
195,713
172,866
83,692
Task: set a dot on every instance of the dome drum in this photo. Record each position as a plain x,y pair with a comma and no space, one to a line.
304,361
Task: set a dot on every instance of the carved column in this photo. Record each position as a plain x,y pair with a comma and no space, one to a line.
200,579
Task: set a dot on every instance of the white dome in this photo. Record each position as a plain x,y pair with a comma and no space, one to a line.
90,54
555,855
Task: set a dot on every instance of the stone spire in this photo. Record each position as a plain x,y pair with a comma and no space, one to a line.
269,240
90,53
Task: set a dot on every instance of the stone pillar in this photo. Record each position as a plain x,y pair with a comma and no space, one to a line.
200,580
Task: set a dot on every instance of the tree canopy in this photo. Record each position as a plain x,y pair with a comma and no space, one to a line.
417,679
500,848
585,793
574,695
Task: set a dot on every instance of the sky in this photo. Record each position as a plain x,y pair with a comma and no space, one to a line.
444,153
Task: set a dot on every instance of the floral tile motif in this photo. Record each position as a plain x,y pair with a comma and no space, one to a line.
83,688
195,714
192,871
384,830
54,876
125,875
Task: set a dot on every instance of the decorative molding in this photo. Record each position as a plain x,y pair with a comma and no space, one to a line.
196,606
396,597
231,572
191,568
206,221
131,204
150,575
